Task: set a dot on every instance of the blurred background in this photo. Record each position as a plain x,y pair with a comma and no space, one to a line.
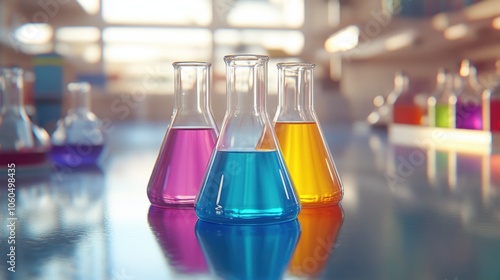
125,48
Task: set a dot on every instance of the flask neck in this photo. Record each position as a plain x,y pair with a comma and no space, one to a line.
11,85
80,97
295,92
246,84
192,82
468,74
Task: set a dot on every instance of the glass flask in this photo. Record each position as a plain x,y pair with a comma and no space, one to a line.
302,144
469,109
441,110
189,140
78,139
174,231
404,108
21,141
319,231
248,251
491,104
247,181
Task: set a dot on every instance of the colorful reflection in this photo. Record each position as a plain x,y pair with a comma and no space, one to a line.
248,251
174,231
320,227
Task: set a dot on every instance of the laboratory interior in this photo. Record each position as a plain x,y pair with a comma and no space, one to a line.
250,140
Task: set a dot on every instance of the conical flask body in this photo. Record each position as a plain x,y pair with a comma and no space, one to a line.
188,142
247,181
302,144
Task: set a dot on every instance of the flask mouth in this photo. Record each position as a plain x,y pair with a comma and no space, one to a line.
295,66
246,60
10,71
178,64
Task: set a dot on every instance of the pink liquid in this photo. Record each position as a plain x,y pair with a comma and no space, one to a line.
23,158
174,231
180,167
495,115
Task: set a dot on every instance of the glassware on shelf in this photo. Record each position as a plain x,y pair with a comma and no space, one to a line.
319,232
247,181
404,108
189,141
21,141
491,111
469,109
174,231
441,109
78,139
248,252
302,144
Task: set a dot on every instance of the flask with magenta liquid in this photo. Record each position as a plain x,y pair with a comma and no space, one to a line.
189,140
404,109
21,142
247,181
491,105
78,139
469,110
302,144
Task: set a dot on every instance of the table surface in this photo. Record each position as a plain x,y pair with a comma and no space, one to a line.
407,213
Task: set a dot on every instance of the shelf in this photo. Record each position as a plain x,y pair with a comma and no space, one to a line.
416,38
445,139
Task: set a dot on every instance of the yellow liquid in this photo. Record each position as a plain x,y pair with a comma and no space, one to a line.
309,163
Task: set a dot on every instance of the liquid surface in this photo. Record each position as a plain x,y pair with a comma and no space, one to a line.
76,155
407,114
308,160
23,158
443,115
181,166
495,115
247,188
469,116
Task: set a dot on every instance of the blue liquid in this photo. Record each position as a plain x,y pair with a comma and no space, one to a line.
247,188
248,251
76,155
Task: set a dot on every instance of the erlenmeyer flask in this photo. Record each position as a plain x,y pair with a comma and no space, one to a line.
247,181
469,109
441,111
21,142
78,139
248,252
174,231
404,109
319,231
189,141
302,144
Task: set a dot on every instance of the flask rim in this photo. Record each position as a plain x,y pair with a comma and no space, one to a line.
246,59
295,65
11,70
178,64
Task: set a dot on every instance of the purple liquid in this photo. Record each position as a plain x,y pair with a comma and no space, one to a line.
76,155
469,116
23,158
181,165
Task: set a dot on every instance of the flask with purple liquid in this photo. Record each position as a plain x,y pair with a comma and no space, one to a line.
78,139
469,111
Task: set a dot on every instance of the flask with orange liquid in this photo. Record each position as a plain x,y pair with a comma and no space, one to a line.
404,108
306,154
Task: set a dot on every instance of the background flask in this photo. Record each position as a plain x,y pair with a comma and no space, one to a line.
469,109
404,109
189,140
248,252
302,144
78,139
247,181
441,113
21,142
